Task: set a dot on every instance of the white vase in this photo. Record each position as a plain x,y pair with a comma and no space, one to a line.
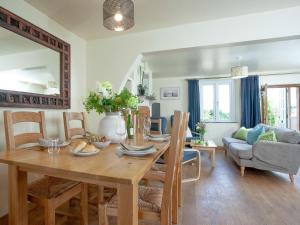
113,127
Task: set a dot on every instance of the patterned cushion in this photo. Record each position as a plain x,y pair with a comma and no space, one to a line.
50,187
150,199
268,136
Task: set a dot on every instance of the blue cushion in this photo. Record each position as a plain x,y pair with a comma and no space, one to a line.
254,133
188,156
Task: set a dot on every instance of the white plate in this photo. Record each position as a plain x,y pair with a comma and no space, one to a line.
60,144
101,144
86,153
159,139
138,153
136,148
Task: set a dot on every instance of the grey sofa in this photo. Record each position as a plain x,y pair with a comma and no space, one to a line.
282,156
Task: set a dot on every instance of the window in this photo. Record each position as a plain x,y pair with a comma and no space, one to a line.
216,101
282,106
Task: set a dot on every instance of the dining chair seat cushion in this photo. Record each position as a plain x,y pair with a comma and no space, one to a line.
158,167
150,199
50,187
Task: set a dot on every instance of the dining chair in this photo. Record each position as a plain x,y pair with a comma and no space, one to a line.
71,132
48,192
158,171
96,193
154,203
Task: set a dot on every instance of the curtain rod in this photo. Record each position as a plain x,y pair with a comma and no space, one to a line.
260,75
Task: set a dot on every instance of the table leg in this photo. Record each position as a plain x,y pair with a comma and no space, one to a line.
18,211
128,204
213,157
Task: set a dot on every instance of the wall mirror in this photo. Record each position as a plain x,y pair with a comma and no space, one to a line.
34,65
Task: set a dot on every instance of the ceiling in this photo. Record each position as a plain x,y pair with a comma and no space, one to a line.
84,17
11,43
280,55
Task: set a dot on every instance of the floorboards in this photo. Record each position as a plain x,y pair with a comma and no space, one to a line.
223,197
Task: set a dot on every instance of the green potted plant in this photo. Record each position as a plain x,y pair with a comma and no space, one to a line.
114,106
201,130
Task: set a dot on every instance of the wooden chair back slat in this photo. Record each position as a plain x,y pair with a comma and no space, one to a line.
71,132
19,117
22,139
11,118
171,166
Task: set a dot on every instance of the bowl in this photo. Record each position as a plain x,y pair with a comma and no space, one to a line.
101,144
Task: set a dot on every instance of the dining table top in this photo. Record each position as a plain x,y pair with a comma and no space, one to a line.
107,166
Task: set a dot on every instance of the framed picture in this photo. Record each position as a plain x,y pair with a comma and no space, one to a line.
169,93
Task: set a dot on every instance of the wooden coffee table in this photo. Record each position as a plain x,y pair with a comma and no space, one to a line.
209,147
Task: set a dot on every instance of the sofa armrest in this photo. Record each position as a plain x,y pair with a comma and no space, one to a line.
280,154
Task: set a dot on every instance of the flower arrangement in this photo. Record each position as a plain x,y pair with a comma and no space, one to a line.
105,100
201,128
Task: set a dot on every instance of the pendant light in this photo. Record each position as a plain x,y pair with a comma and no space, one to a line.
118,15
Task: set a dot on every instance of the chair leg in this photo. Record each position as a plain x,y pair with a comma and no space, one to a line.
198,170
292,178
242,171
102,214
175,199
84,204
49,213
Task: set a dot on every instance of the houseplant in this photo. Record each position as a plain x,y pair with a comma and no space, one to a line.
114,106
201,130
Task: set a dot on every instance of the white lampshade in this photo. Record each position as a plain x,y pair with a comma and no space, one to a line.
238,72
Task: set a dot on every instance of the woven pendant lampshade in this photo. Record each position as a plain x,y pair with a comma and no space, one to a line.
118,15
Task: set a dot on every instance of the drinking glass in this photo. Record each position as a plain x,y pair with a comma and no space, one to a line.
53,148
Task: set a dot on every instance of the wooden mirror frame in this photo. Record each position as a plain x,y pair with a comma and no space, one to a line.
8,98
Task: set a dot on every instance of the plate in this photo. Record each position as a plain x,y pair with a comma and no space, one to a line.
44,143
135,147
85,153
159,139
139,153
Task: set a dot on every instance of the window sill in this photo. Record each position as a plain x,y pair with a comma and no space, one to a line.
220,122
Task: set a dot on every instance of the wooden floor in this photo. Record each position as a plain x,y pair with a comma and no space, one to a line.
222,197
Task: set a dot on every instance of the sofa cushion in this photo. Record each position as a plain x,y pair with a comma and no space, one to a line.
268,136
287,135
240,150
254,133
228,140
241,134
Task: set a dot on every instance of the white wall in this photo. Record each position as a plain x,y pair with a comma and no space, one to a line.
78,79
280,79
110,59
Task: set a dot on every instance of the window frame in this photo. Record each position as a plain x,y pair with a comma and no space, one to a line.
216,108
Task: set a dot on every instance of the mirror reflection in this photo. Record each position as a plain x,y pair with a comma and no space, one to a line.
27,66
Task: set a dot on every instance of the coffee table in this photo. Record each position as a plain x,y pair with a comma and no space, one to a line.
209,147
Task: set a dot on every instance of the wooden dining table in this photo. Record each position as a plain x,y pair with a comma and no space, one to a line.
109,168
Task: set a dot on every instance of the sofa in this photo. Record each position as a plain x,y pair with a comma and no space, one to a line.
281,156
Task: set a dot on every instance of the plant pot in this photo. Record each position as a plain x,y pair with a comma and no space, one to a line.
113,127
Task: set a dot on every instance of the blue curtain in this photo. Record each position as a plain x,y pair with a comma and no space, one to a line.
193,103
250,95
